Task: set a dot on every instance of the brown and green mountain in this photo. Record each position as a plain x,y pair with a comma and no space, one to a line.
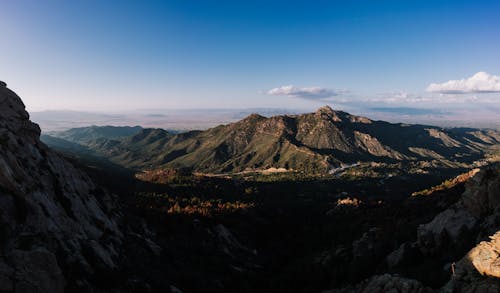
314,142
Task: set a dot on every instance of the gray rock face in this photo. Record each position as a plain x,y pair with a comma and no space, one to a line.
404,255
446,227
57,228
482,194
473,217
386,283
368,245
474,214
393,284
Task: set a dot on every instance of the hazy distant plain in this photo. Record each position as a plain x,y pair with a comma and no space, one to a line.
200,119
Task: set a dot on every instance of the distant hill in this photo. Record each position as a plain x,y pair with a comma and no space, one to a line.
64,145
316,142
86,134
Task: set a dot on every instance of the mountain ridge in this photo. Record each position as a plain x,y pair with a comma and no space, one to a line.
314,142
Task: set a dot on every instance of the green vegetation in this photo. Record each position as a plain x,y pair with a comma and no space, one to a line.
447,184
83,135
314,143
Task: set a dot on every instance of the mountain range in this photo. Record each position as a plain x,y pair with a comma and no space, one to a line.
318,142
66,226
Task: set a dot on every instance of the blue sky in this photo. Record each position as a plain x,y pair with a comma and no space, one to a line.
122,55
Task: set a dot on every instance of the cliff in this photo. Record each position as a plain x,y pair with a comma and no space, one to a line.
58,230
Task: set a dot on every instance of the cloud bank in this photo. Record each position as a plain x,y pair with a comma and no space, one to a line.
310,93
480,82
406,98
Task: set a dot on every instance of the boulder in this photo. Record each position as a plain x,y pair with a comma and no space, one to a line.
485,257
479,270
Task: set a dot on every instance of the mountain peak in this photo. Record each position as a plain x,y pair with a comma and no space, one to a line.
325,109
326,112
253,116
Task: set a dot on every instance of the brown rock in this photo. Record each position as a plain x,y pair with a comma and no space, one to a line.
485,256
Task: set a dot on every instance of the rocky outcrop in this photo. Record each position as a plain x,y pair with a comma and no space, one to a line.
441,256
386,283
455,230
406,254
470,219
446,228
482,195
479,270
485,256
391,283
58,230
374,147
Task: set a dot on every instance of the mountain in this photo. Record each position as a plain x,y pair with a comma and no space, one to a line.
85,134
58,229
318,142
61,230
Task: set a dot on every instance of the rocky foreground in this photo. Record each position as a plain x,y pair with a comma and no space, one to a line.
471,220
58,230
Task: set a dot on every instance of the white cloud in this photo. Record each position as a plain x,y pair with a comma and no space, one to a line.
407,98
311,93
480,82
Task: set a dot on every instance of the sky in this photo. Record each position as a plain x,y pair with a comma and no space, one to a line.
123,55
